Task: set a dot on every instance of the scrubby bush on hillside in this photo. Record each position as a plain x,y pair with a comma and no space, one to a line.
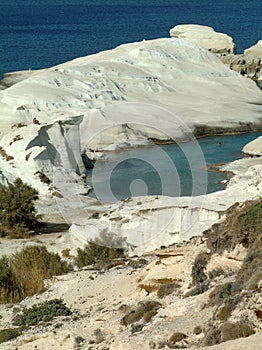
241,227
145,310
200,280
198,269
103,249
45,311
8,334
23,274
17,209
94,253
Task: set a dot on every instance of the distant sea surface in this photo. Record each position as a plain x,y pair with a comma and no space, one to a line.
42,33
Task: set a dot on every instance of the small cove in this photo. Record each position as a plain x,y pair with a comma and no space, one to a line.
173,170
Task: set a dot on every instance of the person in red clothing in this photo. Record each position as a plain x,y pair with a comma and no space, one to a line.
36,121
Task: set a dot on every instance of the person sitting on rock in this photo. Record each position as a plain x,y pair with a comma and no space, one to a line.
36,121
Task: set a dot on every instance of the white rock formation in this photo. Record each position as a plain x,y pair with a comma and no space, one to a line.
38,150
15,77
161,89
254,148
169,73
255,50
205,37
173,265
148,223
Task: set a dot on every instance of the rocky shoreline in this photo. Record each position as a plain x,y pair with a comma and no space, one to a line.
248,64
198,283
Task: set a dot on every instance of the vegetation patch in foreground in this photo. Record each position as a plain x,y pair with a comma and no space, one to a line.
42,312
241,227
8,334
23,274
17,209
101,250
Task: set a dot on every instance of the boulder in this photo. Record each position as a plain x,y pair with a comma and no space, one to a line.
255,50
254,148
205,37
222,263
172,266
247,65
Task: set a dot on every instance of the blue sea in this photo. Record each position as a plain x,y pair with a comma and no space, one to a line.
41,33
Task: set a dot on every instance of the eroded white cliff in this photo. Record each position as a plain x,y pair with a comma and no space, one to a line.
179,76
160,89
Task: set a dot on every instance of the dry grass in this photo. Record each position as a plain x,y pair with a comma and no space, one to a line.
23,274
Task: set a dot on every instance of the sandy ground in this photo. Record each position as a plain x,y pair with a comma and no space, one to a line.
49,234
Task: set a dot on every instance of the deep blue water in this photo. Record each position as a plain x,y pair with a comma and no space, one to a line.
42,33
173,170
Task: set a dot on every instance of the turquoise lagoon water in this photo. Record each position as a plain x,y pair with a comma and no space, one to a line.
173,170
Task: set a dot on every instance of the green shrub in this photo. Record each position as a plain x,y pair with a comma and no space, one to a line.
198,289
8,334
149,315
33,261
242,226
198,275
197,330
145,310
6,281
42,312
94,253
17,209
79,340
250,272
137,263
248,226
132,317
227,331
220,294
225,311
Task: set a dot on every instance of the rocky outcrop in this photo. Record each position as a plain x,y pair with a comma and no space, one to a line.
254,148
249,66
147,223
254,51
116,99
35,153
158,73
173,266
205,37
15,77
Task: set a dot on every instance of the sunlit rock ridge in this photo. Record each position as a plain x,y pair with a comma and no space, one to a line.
164,89
136,91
